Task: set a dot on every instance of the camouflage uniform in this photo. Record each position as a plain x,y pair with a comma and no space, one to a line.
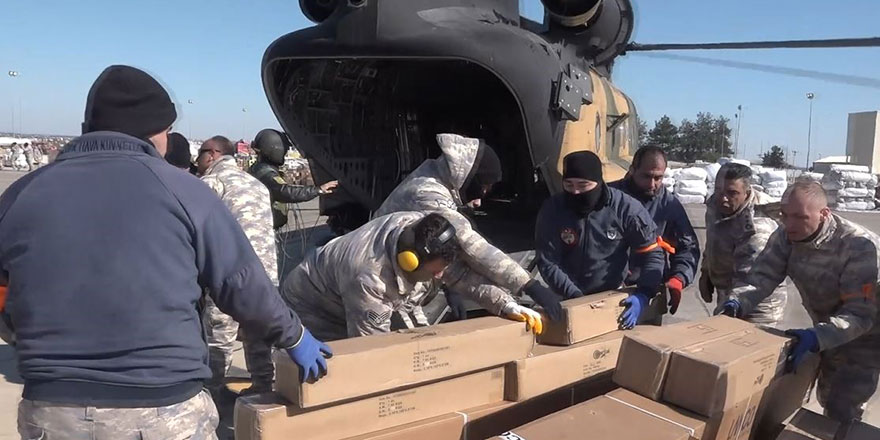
732,245
836,274
248,200
351,286
194,419
435,187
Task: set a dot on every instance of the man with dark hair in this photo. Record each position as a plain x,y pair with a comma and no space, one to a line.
738,226
272,147
585,235
644,182
460,177
213,150
178,152
107,251
351,286
249,202
834,264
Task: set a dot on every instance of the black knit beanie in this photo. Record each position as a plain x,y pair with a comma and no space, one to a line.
582,165
178,151
130,101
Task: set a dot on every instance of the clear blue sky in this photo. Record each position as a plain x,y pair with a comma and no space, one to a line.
210,52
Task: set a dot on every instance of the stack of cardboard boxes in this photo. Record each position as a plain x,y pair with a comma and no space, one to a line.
470,379
707,380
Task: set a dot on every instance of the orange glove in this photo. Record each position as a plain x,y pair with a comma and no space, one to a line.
675,285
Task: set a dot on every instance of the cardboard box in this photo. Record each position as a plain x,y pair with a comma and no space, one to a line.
551,367
584,318
375,364
644,356
519,413
737,423
695,424
785,396
712,377
807,425
601,418
265,417
445,427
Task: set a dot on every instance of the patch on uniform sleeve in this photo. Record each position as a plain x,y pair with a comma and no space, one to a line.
867,294
568,236
377,319
280,180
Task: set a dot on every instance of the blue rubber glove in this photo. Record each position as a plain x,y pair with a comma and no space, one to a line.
634,304
310,355
730,308
456,305
806,341
546,298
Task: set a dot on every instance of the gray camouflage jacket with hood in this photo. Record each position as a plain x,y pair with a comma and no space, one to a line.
483,272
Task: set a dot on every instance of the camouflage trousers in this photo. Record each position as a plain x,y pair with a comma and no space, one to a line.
222,332
847,380
194,419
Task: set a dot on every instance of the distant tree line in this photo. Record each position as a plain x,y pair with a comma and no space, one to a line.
705,138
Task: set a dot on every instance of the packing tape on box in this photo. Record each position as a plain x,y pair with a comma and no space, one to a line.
690,430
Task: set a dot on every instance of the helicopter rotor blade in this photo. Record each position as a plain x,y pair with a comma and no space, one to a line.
851,80
790,44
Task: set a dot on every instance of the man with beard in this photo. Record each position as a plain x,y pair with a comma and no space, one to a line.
738,227
586,234
644,182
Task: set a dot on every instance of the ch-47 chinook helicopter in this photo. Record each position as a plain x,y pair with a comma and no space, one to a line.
364,91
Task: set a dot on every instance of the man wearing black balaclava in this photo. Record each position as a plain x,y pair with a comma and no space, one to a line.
585,234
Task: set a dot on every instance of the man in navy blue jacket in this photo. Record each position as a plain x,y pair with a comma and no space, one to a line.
107,252
584,236
644,182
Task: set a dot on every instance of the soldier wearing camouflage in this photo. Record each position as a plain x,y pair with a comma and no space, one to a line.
483,273
836,272
194,419
351,286
732,244
248,200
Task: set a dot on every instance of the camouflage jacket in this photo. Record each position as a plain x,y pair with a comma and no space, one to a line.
435,186
732,245
350,286
836,274
248,200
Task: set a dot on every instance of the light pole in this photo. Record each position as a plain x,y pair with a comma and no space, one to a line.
243,119
14,74
810,97
190,118
739,119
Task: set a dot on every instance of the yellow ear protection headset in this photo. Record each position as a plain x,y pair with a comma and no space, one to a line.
408,257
